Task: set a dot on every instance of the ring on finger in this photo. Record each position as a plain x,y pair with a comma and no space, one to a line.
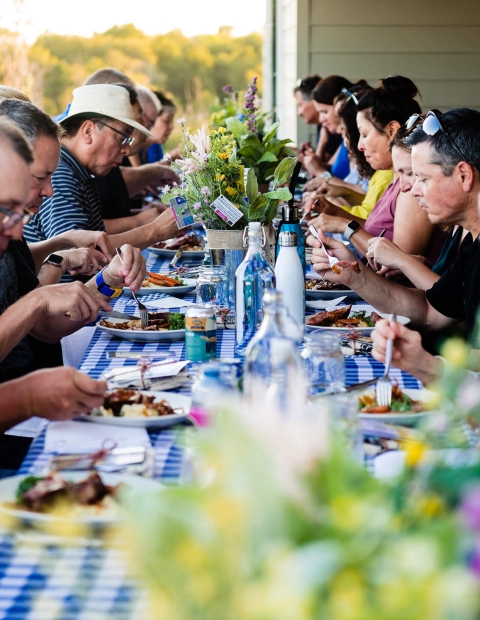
90,265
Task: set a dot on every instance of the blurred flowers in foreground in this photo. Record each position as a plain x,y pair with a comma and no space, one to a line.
241,544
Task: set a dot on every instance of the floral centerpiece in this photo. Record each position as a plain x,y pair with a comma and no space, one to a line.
260,151
278,527
212,168
232,106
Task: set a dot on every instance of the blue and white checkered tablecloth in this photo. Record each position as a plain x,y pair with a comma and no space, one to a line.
87,582
66,582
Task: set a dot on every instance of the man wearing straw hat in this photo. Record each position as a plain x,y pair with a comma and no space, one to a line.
98,134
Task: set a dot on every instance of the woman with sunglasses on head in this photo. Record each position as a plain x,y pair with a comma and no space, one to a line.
380,113
389,257
363,186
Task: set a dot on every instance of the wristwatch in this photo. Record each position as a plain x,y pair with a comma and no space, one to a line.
56,260
351,228
104,288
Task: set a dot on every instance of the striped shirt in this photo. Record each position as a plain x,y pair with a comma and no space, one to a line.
75,204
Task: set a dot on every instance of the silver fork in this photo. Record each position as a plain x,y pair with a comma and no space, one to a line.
384,385
331,259
141,308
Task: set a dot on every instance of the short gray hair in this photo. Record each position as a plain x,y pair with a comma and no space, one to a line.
16,140
30,119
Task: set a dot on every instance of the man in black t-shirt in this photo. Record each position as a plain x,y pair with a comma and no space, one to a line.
446,164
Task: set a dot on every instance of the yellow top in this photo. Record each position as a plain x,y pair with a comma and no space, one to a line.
379,182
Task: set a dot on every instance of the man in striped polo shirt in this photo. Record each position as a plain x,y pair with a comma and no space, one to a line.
98,129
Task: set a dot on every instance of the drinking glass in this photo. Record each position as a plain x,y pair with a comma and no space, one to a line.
212,286
323,362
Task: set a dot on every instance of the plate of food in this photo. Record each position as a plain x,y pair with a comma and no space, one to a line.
190,245
408,406
161,326
141,408
342,319
78,497
161,283
318,288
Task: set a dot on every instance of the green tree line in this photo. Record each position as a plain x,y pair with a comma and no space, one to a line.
192,70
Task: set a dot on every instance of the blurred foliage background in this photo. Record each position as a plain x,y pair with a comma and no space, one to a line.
192,70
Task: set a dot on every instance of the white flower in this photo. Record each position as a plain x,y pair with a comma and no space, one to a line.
188,165
206,191
167,156
202,142
182,121
166,189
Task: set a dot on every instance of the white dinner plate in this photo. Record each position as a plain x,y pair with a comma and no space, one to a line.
349,294
396,417
190,285
403,320
8,488
171,253
176,401
138,335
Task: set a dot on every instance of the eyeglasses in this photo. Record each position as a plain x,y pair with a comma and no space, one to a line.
350,95
12,218
431,125
127,140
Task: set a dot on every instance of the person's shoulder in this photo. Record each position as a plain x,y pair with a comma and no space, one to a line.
382,176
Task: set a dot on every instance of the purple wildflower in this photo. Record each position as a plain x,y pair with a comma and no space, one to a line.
227,89
249,105
196,206
470,509
206,191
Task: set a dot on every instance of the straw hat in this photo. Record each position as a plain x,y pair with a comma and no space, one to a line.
106,100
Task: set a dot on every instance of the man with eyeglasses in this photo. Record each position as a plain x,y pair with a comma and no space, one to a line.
446,165
63,392
99,128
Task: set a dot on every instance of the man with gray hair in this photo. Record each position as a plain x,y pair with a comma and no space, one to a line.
99,130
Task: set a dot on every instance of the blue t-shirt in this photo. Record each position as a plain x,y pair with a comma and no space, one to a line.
341,165
154,153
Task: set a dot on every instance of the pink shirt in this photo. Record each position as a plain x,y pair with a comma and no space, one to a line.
383,212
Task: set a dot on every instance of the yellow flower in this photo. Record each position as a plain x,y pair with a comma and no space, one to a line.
431,505
416,451
220,177
456,351
231,191
223,156
222,129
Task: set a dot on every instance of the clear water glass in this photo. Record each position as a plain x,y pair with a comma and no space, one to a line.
345,424
323,362
212,286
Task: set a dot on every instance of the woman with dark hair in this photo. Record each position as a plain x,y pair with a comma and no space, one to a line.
352,189
380,113
339,192
324,95
327,143
162,128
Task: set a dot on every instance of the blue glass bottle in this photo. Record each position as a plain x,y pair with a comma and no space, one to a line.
253,277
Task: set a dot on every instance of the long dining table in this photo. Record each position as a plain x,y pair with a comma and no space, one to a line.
88,580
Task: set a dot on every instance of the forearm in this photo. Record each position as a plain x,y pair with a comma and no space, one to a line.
41,249
49,274
15,403
141,237
389,297
360,239
419,274
427,368
136,179
125,224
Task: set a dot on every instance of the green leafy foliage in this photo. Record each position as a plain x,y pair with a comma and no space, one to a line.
25,485
176,320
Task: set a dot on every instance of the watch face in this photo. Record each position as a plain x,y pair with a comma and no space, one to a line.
55,259
353,225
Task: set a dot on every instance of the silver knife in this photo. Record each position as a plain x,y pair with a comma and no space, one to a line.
349,388
131,355
118,315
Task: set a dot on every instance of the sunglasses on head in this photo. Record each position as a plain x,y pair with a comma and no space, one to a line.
350,95
431,125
